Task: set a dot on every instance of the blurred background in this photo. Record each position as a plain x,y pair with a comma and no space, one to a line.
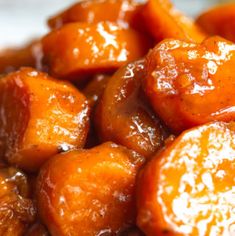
22,20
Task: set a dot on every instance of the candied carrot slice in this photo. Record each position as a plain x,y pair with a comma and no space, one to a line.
81,48
190,84
40,117
219,20
164,21
124,116
89,191
188,188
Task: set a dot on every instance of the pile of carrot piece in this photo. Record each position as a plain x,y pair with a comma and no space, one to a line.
120,121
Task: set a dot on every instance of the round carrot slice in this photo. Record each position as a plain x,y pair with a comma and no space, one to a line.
81,48
219,20
188,188
191,84
89,191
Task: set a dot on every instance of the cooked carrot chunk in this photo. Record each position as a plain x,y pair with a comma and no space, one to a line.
17,211
81,48
219,20
89,191
39,117
164,21
190,84
188,188
123,115
123,12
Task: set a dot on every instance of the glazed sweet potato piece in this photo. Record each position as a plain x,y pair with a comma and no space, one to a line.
81,48
219,20
191,84
95,88
188,188
89,191
39,118
164,21
16,209
13,58
123,12
123,115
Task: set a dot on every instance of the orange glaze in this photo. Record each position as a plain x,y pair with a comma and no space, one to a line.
89,191
94,89
190,84
123,115
81,48
219,20
39,118
53,131
17,211
123,12
164,21
188,188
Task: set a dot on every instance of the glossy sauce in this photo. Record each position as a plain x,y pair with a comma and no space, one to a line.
93,92
95,88
123,115
17,211
54,130
37,229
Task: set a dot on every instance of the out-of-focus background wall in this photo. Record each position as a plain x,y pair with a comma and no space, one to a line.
21,20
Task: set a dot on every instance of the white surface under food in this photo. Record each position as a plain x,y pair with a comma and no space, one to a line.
22,20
